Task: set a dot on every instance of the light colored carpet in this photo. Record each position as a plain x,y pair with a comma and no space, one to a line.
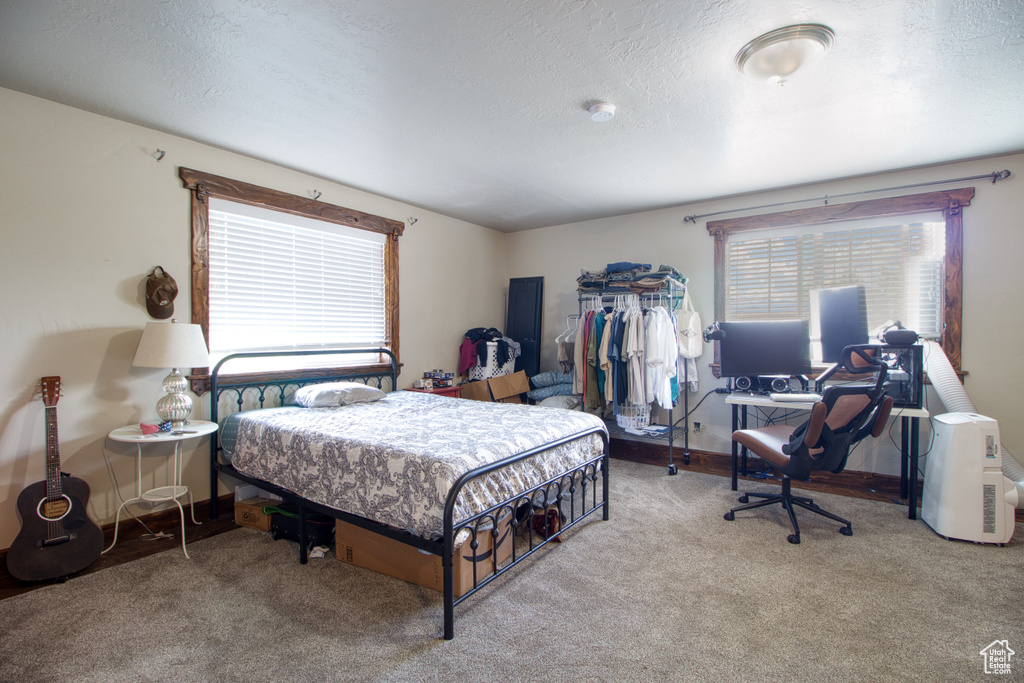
665,591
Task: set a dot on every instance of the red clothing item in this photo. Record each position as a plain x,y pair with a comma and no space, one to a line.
467,356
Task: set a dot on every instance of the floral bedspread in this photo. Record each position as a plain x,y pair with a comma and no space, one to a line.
395,460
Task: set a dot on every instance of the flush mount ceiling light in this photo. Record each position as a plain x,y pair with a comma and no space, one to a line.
777,55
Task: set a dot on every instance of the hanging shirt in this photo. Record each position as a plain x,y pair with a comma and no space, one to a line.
599,323
654,354
634,352
593,396
664,348
602,355
619,361
579,362
565,354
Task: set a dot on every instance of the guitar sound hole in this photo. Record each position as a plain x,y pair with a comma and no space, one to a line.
55,510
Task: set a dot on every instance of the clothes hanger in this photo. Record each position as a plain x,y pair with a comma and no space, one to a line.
570,329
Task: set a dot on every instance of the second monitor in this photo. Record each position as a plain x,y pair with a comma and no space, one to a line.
839,318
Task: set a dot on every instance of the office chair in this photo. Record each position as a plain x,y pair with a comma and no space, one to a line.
843,416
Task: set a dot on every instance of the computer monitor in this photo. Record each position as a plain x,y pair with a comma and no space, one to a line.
839,318
764,348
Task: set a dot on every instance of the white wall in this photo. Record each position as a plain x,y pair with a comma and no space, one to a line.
86,212
993,283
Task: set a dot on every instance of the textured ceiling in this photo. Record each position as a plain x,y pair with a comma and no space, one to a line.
478,109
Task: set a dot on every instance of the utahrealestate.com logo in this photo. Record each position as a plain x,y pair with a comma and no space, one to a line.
997,656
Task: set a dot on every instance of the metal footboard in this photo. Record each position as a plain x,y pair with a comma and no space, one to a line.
560,492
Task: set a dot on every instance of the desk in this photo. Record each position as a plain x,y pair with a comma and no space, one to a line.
909,430
162,494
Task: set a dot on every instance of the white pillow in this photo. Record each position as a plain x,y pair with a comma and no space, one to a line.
561,401
336,394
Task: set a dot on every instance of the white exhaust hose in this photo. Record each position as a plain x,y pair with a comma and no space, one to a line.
954,397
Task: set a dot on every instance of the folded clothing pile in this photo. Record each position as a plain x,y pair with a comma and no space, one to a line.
626,277
592,281
653,281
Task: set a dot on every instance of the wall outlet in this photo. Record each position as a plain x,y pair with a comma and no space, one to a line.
697,426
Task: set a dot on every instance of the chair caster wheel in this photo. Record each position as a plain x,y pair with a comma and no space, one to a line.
744,500
846,531
794,539
729,516
672,469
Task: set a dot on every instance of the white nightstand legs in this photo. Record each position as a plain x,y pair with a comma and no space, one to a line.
161,494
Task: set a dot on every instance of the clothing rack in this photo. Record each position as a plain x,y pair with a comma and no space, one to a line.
669,296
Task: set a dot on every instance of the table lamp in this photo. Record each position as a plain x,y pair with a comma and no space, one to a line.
172,345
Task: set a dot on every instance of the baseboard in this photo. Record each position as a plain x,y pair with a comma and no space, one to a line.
848,482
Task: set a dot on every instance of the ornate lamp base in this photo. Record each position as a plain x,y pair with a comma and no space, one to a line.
175,407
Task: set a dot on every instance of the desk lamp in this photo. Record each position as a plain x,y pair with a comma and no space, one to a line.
172,345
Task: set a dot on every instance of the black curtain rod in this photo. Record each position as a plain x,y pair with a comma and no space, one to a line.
995,176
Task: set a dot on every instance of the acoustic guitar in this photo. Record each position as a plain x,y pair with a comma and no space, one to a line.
57,536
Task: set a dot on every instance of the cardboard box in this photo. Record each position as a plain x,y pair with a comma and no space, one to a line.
250,513
505,389
247,491
476,391
508,388
363,548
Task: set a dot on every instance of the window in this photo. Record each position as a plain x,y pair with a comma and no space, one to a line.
770,273
278,271
905,250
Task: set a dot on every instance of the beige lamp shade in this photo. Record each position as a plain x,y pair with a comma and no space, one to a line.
172,345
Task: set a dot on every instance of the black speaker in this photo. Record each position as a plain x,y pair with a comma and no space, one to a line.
778,384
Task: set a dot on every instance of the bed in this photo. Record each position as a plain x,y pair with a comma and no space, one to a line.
430,472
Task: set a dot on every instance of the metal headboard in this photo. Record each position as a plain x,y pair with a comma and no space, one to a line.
274,389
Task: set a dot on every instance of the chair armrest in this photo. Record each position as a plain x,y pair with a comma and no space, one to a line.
818,413
882,417
819,383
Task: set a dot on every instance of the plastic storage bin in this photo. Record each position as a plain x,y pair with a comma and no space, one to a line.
635,416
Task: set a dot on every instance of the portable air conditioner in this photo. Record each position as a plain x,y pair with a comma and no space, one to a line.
965,494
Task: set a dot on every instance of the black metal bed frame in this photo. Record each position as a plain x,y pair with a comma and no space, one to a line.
566,489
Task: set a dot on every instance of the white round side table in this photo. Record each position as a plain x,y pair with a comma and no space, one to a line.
161,494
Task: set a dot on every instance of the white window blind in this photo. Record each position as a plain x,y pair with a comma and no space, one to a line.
280,281
770,273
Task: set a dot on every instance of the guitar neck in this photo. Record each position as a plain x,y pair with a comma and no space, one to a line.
53,485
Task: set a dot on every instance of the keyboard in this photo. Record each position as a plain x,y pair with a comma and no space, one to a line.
794,397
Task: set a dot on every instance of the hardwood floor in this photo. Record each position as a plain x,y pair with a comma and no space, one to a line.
130,547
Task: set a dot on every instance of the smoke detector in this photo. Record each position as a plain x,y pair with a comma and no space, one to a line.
602,111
